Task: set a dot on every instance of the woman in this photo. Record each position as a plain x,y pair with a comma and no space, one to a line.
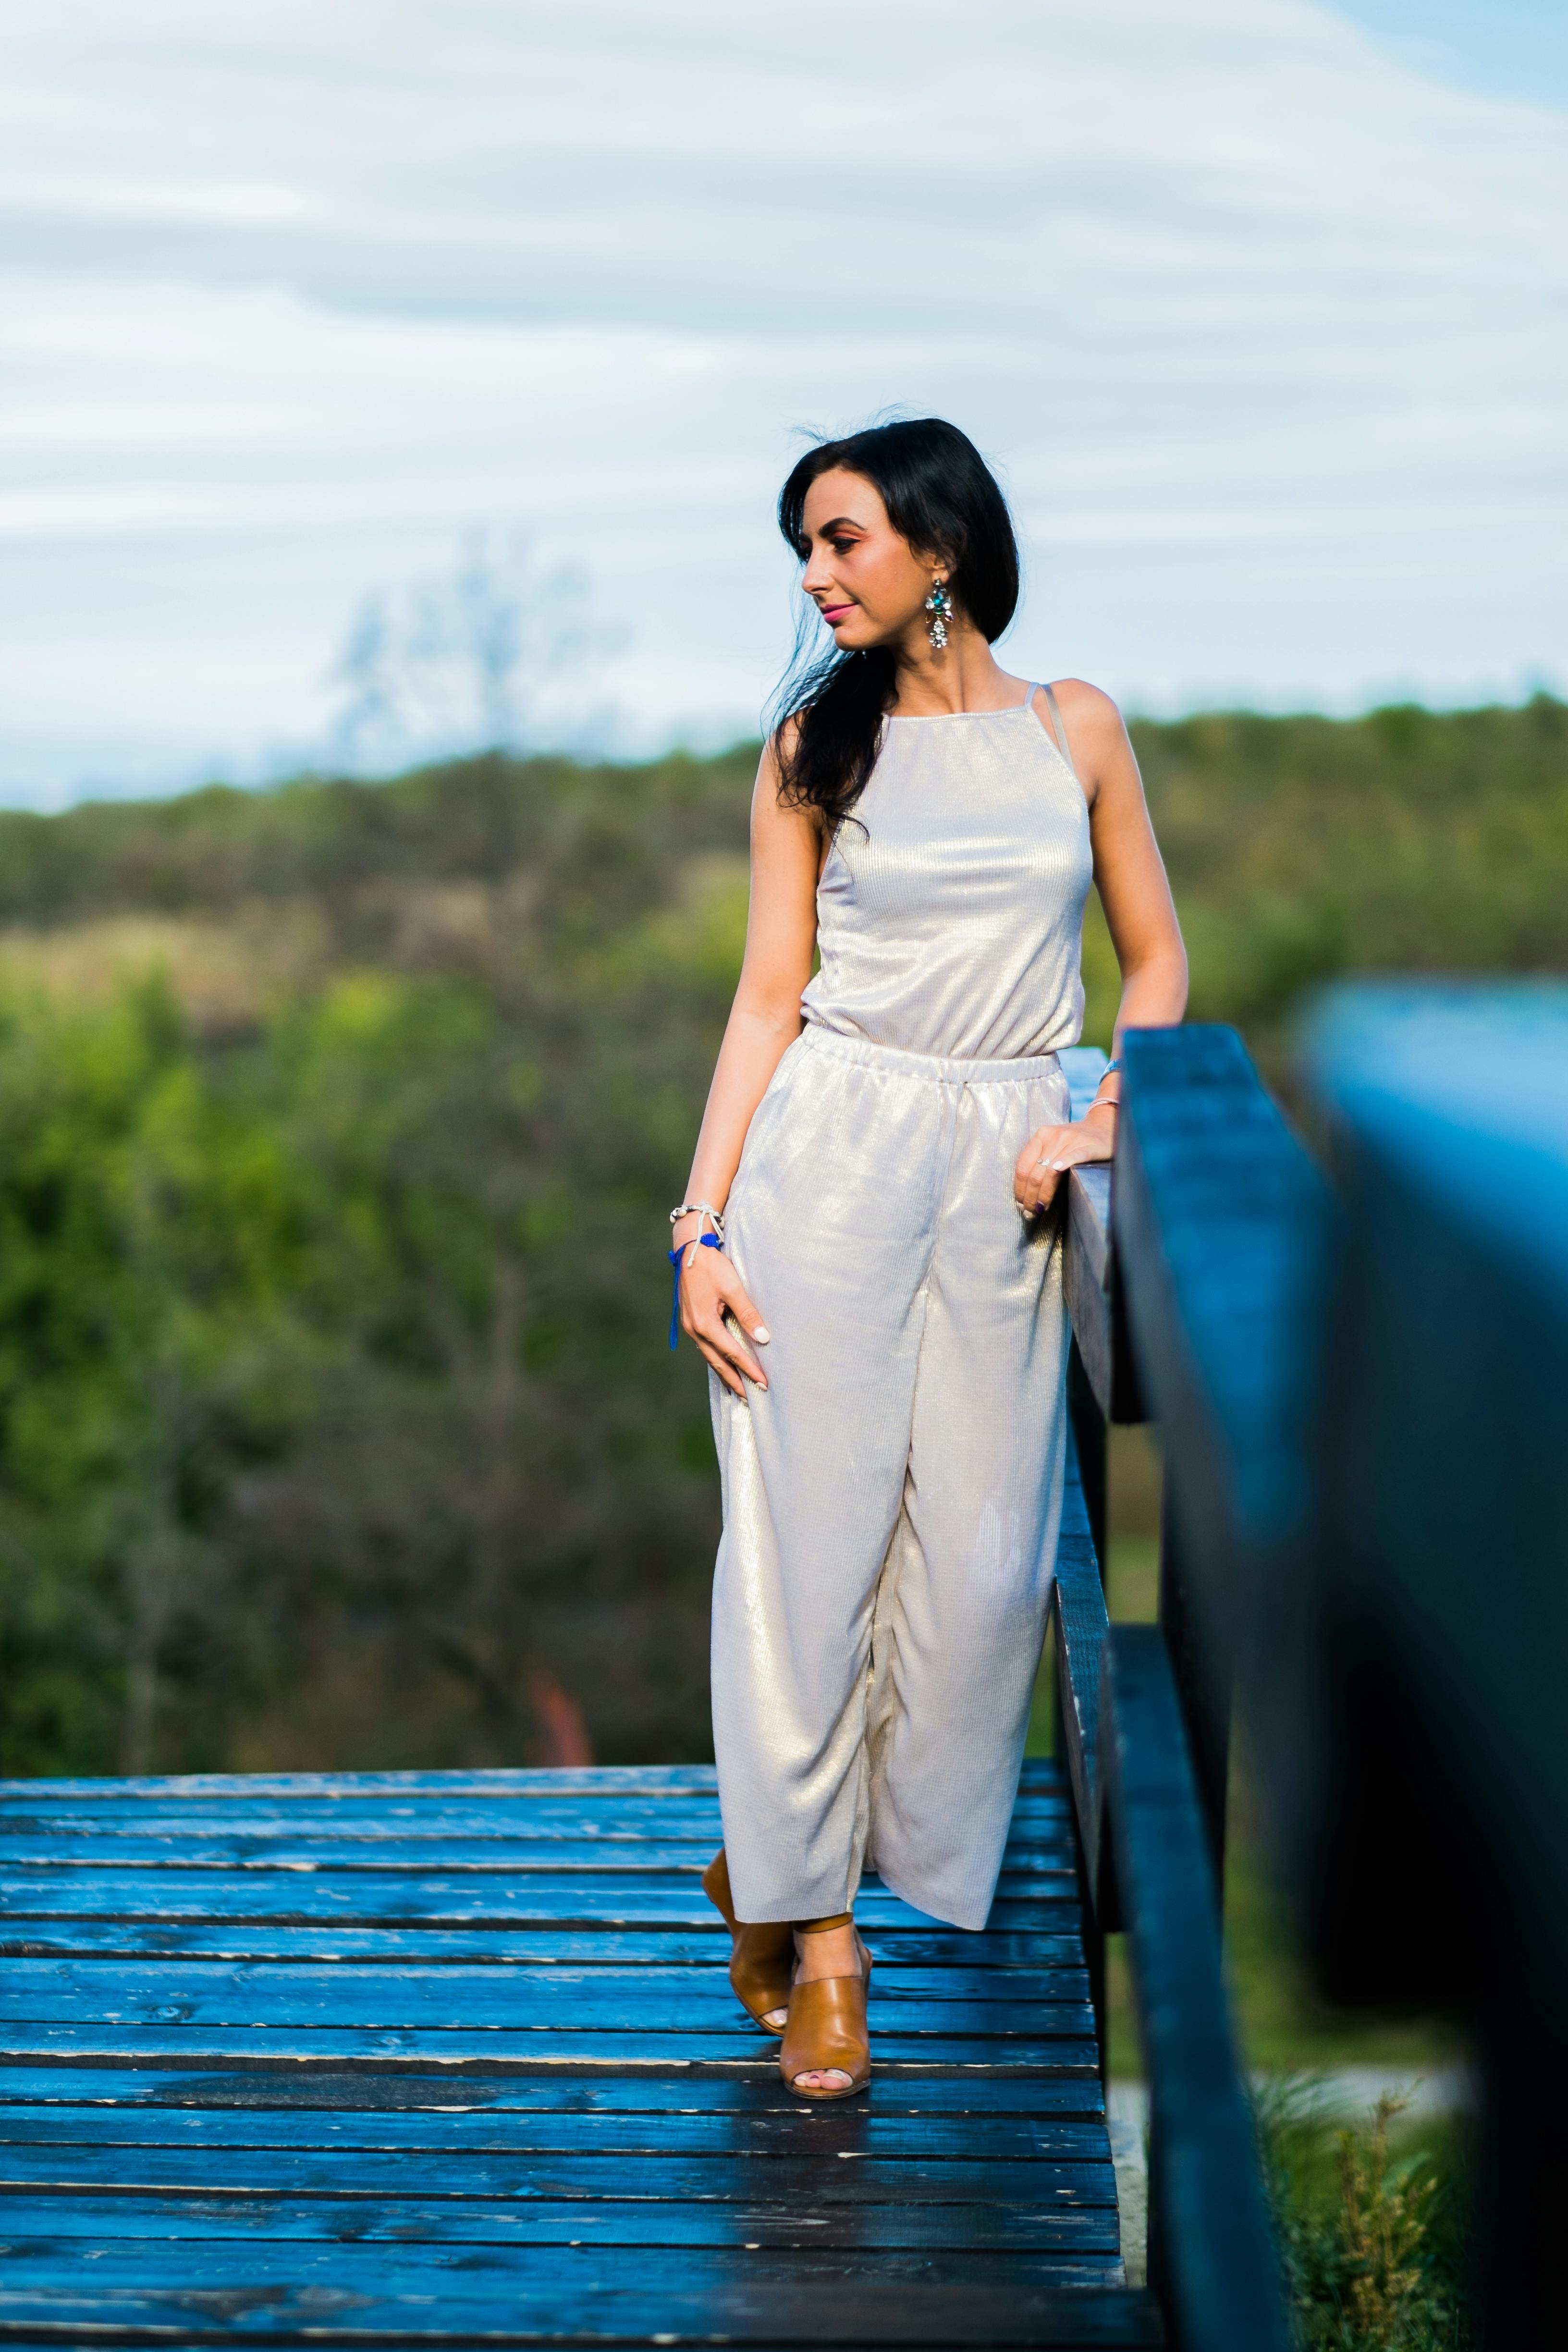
879,1146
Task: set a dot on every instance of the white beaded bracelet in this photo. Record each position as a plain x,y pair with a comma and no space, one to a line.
701,1209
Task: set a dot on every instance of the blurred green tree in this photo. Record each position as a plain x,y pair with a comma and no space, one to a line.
337,1128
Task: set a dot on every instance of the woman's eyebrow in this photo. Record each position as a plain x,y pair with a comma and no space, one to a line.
840,522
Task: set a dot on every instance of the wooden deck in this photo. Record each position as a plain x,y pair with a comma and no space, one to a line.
449,2058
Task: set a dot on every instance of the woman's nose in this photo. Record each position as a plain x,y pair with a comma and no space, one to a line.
815,577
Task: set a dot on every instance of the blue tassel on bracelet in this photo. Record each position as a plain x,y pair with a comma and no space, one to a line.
709,1241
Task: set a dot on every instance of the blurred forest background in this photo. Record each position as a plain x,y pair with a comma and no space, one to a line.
337,1126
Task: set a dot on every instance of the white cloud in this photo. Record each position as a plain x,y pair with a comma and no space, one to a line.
218,204
1268,331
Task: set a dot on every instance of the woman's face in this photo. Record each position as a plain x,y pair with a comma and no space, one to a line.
867,583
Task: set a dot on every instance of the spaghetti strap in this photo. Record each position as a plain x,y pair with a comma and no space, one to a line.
1060,732
1029,693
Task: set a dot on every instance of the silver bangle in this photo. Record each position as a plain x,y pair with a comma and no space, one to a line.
1111,1102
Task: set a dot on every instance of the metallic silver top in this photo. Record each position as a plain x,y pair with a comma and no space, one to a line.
949,911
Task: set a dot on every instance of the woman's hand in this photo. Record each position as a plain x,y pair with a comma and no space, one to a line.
1052,1151
709,1286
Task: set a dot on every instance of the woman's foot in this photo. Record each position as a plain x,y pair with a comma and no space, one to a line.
827,1952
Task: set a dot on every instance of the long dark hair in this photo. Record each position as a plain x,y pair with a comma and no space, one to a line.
941,497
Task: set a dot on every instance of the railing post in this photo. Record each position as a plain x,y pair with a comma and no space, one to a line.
1156,2233
1088,1428
1082,1614
1185,1269
1212,2259
1203,1674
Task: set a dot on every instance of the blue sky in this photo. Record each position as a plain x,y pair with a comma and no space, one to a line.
1512,49
1259,306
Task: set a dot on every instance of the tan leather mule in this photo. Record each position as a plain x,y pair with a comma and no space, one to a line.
827,2028
763,1960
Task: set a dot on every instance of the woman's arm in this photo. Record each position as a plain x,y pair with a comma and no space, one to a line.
1130,874
781,933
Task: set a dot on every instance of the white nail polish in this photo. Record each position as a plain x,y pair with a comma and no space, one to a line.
762,1335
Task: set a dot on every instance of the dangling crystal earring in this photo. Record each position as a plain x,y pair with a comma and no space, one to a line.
938,605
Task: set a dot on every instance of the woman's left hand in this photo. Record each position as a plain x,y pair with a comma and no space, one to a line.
1052,1151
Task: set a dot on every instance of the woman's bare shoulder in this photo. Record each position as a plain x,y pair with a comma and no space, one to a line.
1084,706
775,810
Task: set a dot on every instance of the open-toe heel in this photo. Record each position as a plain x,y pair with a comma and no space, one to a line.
763,1960
827,2032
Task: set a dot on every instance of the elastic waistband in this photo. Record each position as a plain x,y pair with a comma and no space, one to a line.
938,1069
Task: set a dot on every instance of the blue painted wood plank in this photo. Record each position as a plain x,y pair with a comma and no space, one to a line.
612,1781
609,2296
628,2053
302,1895
551,1859
112,2221
523,2001
478,1995
112,1805
475,2174
572,2017
1017,2141
326,2093
584,2091
612,1825
974,1956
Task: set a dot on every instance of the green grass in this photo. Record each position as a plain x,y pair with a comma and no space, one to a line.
1373,2225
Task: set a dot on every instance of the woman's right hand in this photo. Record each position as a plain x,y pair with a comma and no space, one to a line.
708,1286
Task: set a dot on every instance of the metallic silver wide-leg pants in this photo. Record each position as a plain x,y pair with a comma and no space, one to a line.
891,1500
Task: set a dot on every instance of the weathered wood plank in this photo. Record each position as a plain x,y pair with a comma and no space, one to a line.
97,1804
408,2005
611,1782
552,1860
475,2174
1017,2142
644,2052
471,2038
211,2214
323,2091
975,1958
460,1994
607,2296
518,1996
299,1897
94,1840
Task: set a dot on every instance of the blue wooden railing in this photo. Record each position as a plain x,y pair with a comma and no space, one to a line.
1360,1373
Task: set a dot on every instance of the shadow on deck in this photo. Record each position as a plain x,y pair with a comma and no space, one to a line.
438,2058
